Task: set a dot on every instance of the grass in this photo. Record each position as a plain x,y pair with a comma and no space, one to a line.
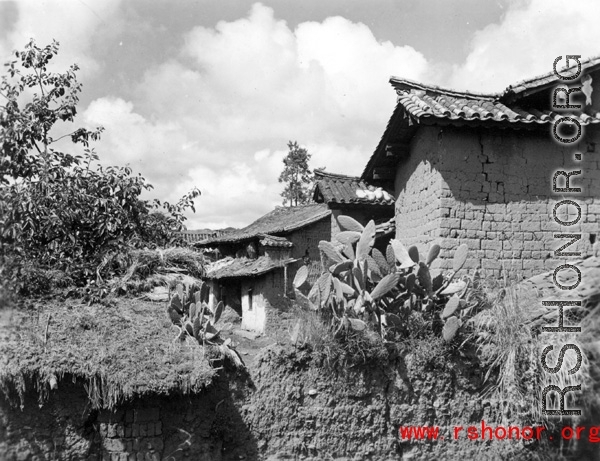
119,351
352,348
510,342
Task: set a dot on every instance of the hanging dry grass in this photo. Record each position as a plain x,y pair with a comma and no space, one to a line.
119,352
510,340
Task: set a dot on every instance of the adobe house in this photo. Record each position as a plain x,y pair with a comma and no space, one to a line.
252,286
352,196
479,168
259,261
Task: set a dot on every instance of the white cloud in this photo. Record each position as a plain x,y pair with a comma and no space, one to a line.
73,23
219,115
526,42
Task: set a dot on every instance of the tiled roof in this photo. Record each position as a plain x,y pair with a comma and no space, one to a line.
419,104
337,188
535,84
243,267
424,105
272,241
282,220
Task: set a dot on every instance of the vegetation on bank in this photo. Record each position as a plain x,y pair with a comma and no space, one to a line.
71,226
64,218
370,308
74,232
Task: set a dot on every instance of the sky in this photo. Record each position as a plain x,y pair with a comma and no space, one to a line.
207,94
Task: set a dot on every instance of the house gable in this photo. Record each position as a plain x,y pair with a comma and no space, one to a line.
478,169
526,105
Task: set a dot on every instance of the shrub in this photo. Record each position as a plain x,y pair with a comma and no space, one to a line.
60,211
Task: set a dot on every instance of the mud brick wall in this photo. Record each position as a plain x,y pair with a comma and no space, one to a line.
492,189
205,427
308,238
132,434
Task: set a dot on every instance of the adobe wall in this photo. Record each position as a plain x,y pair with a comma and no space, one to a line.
492,190
204,426
308,238
271,309
418,189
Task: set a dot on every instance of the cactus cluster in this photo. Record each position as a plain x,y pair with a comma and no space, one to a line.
189,311
362,287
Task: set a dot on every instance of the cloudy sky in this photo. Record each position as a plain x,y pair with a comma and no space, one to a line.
208,93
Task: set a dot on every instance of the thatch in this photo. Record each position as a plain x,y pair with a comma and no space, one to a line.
147,262
119,351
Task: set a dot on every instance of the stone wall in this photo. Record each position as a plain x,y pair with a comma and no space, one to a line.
492,190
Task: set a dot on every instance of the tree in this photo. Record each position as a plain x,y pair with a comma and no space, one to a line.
60,211
296,175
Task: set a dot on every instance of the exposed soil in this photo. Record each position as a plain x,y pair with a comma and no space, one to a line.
290,405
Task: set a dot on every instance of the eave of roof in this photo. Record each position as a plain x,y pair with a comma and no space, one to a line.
282,220
337,189
272,241
419,104
244,267
431,109
541,82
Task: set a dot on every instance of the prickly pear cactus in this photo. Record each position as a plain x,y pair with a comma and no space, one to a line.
190,313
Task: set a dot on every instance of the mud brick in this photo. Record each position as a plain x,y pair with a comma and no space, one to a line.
146,414
120,430
135,430
491,264
472,235
129,414
143,430
158,428
113,445
491,245
531,226
492,254
128,431
156,444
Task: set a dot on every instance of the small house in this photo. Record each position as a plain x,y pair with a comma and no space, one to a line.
257,263
479,169
352,196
